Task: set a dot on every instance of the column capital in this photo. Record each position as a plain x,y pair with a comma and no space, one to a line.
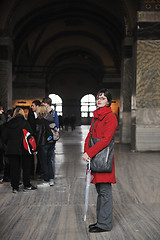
148,25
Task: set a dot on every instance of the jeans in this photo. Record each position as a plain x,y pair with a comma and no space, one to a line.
52,149
45,157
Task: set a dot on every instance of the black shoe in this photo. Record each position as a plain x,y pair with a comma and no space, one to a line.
97,230
29,188
92,225
6,180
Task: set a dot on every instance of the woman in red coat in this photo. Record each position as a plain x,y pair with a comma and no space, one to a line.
104,128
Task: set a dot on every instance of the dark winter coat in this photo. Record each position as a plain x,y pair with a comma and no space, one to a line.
32,120
2,121
43,131
12,135
104,128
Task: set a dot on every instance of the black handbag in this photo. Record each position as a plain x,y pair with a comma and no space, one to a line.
102,162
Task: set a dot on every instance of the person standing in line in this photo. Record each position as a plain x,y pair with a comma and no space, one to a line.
52,117
66,122
32,116
6,176
60,118
105,124
45,144
12,136
72,121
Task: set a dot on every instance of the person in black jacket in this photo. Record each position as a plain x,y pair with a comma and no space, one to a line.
6,176
12,135
32,115
44,139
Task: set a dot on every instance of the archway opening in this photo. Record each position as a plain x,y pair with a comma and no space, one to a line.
56,103
88,105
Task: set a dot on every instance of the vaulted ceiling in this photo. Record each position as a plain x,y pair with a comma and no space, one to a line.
55,37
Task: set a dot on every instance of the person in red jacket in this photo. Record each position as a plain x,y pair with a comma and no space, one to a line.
104,128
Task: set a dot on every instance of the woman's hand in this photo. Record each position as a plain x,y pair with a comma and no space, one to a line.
85,157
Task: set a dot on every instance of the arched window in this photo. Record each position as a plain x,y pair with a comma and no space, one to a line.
88,105
56,103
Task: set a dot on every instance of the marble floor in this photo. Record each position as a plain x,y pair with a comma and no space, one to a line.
56,213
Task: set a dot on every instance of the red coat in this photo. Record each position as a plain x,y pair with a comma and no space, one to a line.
104,128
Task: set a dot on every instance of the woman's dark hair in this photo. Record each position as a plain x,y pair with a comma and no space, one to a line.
107,94
10,112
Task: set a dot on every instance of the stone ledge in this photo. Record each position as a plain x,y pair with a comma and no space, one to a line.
148,16
147,117
147,138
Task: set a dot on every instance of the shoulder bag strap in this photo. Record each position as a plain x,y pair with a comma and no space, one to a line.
92,126
113,138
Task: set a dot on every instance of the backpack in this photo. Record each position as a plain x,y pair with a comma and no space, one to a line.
29,142
55,133
54,130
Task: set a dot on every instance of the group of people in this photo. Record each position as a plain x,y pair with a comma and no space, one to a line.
17,157
103,126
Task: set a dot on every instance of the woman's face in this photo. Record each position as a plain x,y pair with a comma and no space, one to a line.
101,100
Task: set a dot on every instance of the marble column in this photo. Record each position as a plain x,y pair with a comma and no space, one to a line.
147,77
126,88
5,72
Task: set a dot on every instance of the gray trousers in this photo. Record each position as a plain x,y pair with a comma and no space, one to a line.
104,206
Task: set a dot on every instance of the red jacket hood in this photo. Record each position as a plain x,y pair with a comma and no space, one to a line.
100,113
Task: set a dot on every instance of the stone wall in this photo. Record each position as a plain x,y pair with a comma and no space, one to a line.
148,95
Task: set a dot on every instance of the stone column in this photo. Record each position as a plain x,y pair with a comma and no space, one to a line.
125,95
5,73
146,103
